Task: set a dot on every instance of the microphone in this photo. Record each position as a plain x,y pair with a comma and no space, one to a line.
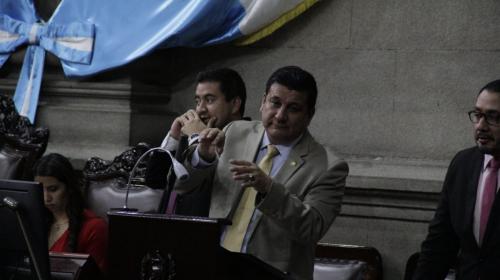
13,205
183,145
165,200
179,170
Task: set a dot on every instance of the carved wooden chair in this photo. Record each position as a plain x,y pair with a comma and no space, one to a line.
21,144
106,183
411,266
347,262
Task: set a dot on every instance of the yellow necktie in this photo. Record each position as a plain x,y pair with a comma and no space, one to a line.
241,219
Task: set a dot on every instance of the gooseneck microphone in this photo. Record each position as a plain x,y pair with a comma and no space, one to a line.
10,203
13,205
171,178
179,170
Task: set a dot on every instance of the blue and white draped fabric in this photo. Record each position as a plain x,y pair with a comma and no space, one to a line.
70,42
93,35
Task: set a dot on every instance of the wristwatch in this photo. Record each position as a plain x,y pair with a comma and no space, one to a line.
193,138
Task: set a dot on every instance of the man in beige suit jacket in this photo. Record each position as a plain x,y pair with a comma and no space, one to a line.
296,204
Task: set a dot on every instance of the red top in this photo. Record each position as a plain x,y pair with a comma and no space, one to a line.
92,240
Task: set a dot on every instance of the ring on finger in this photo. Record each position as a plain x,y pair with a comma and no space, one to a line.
251,177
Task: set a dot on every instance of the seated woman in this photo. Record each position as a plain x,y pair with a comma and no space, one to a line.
72,227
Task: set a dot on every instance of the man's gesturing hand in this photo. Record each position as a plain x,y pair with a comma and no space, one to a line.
211,143
250,175
188,124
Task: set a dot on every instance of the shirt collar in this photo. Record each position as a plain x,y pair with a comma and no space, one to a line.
283,149
487,159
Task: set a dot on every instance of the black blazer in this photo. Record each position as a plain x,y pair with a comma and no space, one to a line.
195,203
450,241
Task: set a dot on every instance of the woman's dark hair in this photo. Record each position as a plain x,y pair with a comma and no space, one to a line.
59,167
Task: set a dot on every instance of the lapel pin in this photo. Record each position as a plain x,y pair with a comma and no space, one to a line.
293,163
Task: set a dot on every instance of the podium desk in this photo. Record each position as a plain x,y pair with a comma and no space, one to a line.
72,266
158,246
63,266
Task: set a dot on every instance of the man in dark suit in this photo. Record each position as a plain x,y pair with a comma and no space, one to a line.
465,231
281,189
220,98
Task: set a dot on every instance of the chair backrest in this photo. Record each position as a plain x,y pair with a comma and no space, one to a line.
21,144
411,266
106,183
347,262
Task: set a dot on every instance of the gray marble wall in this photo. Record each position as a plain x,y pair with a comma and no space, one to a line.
396,78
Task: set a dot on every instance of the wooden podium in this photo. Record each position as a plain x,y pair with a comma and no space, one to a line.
157,246
73,266
63,266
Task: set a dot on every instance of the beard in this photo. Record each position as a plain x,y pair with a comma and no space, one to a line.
485,150
486,143
489,150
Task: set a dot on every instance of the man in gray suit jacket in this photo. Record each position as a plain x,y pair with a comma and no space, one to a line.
297,202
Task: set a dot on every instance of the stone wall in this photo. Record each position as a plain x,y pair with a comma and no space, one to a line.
396,78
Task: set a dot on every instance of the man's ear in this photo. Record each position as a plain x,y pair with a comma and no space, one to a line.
236,103
311,115
262,102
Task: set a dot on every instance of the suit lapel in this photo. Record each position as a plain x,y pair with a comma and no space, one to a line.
471,193
248,153
252,143
294,161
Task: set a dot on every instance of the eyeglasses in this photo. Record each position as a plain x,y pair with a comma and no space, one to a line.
490,118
